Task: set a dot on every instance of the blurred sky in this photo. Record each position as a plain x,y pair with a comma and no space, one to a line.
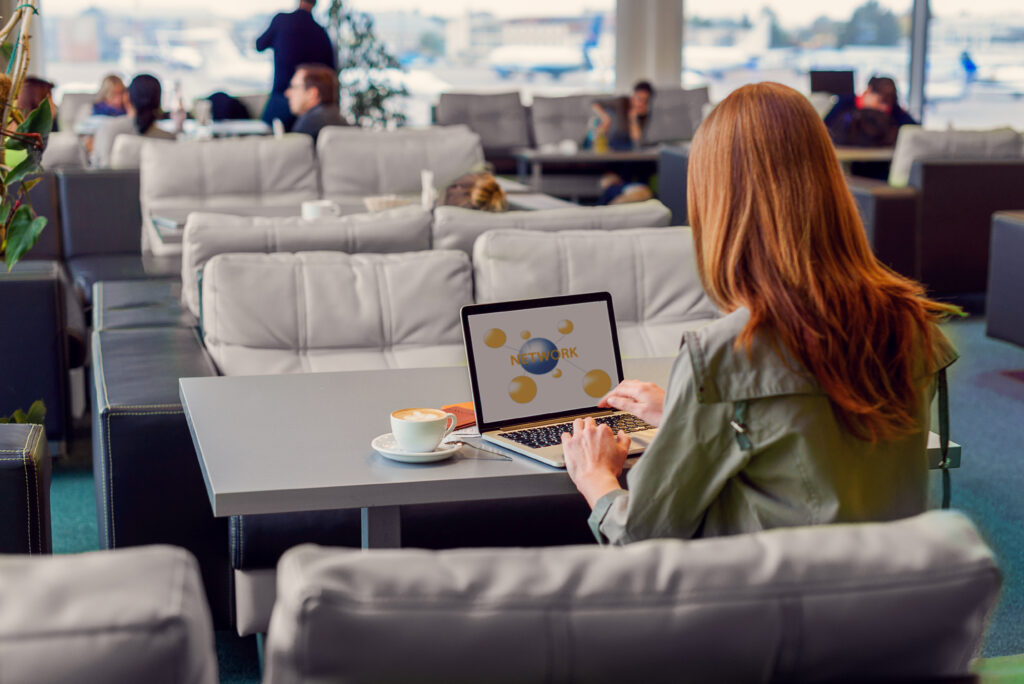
789,11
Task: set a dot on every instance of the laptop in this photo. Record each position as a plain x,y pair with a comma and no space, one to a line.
537,364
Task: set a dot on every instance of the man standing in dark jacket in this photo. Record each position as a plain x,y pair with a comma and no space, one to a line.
296,39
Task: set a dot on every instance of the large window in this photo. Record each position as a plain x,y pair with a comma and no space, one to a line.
533,46
727,43
975,72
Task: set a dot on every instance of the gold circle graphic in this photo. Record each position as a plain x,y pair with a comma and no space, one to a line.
565,327
557,373
522,389
495,338
596,383
525,334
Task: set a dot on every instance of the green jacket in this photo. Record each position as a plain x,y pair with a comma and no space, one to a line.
747,444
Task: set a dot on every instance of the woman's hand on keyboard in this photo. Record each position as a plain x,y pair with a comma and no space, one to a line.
645,400
594,457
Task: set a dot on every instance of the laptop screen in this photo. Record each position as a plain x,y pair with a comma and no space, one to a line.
540,358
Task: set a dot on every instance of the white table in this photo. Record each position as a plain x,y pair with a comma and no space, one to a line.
288,443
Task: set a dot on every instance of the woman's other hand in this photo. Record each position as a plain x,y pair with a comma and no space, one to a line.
594,457
645,400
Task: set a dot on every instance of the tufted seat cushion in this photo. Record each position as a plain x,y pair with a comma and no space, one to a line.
825,603
458,228
915,143
211,174
651,274
132,615
404,229
334,311
355,163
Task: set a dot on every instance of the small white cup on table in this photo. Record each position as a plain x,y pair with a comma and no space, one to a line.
420,430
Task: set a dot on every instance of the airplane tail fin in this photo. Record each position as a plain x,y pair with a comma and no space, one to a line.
592,38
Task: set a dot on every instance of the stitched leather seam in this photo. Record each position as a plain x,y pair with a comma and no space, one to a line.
99,371
98,305
28,493
241,541
35,482
108,486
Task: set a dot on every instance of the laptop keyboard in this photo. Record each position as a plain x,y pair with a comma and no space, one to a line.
549,435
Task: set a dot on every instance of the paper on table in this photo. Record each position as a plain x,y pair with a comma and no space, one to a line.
464,412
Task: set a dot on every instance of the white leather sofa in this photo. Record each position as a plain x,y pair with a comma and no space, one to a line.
458,228
405,229
240,175
132,615
827,603
355,163
336,311
915,143
651,274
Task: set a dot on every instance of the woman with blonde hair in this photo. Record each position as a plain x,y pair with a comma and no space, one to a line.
808,401
110,100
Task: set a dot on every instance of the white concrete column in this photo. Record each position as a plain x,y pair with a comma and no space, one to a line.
648,42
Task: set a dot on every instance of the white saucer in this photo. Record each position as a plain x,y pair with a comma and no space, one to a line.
386,445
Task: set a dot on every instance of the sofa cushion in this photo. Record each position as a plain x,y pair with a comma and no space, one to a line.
675,114
915,143
64,150
334,311
355,162
404,229
458,228
555,119
651,274
801,604
498,118
145,303
134,615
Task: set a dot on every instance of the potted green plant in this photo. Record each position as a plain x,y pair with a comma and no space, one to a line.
22,139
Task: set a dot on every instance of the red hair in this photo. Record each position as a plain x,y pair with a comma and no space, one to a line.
776,230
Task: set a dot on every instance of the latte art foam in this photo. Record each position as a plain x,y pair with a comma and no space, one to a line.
419,414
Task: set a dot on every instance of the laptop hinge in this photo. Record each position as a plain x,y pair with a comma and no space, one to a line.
552,421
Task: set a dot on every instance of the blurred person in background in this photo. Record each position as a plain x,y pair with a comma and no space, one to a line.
476,191
296,39
110,100
143,106
871,119
313,97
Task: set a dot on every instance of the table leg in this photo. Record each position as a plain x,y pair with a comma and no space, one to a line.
535,173
382,527
521,170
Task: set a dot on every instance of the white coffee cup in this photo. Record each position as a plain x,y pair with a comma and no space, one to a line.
421,429
314,209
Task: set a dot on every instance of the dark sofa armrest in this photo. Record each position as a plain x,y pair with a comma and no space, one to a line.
100,211
889,216
149,488
25,469
672,169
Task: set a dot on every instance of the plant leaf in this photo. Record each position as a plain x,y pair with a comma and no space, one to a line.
19,416
29,184
22,234
25,167
36,412
39,121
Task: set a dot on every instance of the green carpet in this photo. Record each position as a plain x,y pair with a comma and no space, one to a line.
986,417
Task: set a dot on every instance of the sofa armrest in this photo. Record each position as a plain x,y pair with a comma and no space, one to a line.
100,211
890,221
672,170
25,470
149,488
1004,315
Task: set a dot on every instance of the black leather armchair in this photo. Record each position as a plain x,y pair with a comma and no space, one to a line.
1004,308
25,468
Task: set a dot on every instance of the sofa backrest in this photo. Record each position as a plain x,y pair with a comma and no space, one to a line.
206,174
126,152
64,150
130,615
555,119
206,235
651,274
498,118
675,114
458,228
826,603
358,162
915,143
334,311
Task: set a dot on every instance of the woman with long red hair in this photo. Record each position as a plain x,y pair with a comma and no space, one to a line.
809,400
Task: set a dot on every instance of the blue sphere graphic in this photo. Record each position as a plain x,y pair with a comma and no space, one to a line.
538,356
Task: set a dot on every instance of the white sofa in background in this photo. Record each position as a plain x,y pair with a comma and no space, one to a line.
206,235
131,615
234,175
355,162
675,114
458,228
651,274
64,151
915,143
334,311
826,603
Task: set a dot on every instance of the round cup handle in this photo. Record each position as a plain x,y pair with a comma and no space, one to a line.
452,421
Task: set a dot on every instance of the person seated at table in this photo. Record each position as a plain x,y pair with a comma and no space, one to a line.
476,191
871,119
313,98
35,91
110,100
808,401
143,107
621,121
